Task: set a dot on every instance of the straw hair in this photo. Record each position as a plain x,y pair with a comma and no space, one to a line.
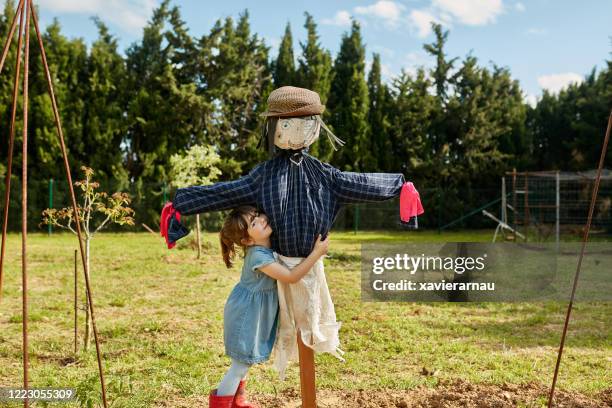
292,101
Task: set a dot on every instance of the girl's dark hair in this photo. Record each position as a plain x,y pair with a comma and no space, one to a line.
233,231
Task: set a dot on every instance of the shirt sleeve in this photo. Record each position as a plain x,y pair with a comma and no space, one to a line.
262,257
352,187
219,196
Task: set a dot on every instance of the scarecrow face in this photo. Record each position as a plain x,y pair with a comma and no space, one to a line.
296,133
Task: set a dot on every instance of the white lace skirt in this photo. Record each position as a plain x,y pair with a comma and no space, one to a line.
306,306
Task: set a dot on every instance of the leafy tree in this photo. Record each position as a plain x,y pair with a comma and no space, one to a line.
198,166
234,79
163,114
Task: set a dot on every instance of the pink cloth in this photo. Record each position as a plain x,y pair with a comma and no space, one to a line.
166,213
410,202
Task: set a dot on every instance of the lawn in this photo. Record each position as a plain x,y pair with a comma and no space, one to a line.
159,316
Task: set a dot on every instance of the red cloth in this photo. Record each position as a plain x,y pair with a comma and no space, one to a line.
166,214
410,202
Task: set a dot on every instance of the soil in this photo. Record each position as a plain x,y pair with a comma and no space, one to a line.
447,395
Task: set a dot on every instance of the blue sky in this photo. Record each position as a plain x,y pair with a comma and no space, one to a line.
544,43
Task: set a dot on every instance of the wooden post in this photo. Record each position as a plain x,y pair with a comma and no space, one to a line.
307,374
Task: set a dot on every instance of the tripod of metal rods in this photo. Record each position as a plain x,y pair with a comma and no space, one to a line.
585,238
26,8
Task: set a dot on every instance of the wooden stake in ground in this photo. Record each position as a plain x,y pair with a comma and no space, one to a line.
585,238
307,374
149,229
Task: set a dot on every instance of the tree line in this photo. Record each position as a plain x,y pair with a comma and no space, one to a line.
458,125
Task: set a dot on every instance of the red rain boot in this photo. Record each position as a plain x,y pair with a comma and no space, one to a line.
240,397
222,401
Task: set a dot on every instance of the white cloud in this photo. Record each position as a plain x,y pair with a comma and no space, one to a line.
274,43
389,11
417,58
421,21
519,7
471,12
556,82
385,52
531,100
341,19
130,15
386,72
536,31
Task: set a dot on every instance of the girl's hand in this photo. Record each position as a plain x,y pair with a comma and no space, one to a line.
321,246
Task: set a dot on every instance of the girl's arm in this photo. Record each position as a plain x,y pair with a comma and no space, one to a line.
279,272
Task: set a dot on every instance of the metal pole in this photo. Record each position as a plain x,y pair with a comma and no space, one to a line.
558,210
24,205
9,38
73,199
7,183
526,197
50,227
585,238
515,211
76,308
504,215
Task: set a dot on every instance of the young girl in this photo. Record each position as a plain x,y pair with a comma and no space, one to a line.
251,311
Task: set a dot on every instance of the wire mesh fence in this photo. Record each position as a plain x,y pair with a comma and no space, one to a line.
532,200
551,203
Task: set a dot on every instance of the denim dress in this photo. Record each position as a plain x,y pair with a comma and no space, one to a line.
250,317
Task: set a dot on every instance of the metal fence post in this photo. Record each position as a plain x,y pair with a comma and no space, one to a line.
50,227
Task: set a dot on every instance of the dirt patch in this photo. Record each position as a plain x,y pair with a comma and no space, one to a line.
446,395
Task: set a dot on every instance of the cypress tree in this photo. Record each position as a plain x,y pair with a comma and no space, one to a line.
378,116
348,102
315,72
284,66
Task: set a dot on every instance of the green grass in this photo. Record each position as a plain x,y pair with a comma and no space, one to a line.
159,316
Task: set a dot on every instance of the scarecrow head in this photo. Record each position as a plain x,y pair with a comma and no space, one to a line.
293,119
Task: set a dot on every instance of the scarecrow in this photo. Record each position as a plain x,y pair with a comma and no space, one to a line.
301,197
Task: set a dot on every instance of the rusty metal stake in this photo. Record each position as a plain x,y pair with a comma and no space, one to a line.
585,238
24,206
18,13
76,308
72,196
27,6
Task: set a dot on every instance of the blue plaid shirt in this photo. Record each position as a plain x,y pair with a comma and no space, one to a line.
301,201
